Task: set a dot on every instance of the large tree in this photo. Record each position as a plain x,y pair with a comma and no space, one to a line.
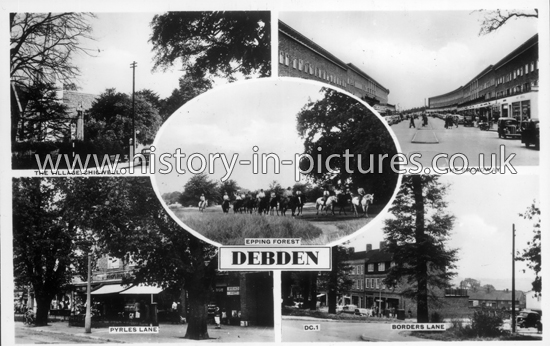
532,254
46,237
110,118
197,185
131,224
416,237
42,45
45,116
189,88
338,123
222,44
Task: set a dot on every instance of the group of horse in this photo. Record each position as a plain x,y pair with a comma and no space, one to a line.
279,205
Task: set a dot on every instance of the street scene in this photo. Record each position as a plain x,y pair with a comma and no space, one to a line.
306,168
474,291
434,139
474,69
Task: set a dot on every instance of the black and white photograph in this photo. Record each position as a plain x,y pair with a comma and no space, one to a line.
90,90
102,255
274,171
443,254
460,82
275,158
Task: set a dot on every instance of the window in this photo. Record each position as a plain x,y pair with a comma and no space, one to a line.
381,266
306,67
514,74
370,267
310,69
532,67
281,57
526,68
367,283
287,59
392,264
294,63
377,283
300,64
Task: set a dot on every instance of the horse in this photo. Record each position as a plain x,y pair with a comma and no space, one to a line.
203,205
273,205
362,204
226,206
238,206
342,202
249,205
286,203
300,201
329,205
263,205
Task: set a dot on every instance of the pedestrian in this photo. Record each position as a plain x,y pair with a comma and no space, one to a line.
217,317
411,123
410,313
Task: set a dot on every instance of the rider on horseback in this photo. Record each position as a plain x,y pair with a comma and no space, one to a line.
326,194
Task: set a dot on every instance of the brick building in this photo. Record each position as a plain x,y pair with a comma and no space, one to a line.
509,88
370,267
301,57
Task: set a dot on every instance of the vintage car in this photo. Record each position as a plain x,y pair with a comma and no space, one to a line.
528,319
468,120
508,128
531,133
348,309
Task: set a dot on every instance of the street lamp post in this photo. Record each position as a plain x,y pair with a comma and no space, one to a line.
88,318
133,66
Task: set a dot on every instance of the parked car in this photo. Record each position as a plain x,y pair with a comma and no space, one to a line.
508,128
348,309
529,319
531,133
468,120
460,118
362,312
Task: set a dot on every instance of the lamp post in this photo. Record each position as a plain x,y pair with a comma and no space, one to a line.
133,66
88,318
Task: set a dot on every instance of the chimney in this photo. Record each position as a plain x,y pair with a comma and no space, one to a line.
369,247
382,245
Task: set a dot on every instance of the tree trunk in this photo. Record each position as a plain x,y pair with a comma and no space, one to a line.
197,328
422,266
313,290
42,310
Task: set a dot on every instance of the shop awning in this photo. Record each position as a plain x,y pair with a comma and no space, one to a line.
142,289
110,289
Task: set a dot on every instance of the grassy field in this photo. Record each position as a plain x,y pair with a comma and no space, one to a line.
232,229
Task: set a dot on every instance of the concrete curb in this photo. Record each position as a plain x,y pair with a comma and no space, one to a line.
83,335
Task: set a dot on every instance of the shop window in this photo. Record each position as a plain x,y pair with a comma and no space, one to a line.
281,57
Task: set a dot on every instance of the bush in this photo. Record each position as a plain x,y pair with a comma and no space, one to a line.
436,318
486,323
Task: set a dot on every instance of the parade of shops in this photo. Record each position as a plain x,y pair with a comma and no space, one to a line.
244,299
369,269
509,88
302,58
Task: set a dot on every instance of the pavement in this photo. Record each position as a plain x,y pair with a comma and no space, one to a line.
344,330
168,333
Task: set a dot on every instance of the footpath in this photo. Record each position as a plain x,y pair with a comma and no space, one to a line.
168,333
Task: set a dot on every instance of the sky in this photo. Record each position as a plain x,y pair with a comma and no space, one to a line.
120,39
232,119
415,54
485,208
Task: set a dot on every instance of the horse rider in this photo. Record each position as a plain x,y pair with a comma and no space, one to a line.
288,192
225,196
202,200
238,196
326,194
261,194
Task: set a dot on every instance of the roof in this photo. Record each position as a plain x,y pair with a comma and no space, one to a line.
534,40
372,256
290,32
364,75
482,294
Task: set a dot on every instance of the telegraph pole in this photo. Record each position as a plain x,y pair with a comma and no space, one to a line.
133,67
88,317
513,278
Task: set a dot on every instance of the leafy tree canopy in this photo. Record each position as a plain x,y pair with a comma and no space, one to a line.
532,254
220,43
338,123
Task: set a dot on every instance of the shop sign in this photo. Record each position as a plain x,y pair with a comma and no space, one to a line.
233,291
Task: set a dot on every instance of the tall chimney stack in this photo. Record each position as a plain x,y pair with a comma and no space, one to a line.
369,247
